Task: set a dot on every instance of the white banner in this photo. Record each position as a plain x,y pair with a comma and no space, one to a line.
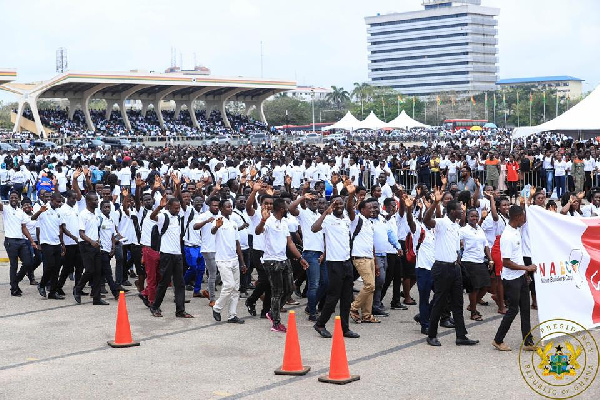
567,252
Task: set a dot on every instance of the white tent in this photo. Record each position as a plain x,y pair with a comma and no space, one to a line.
584,116
403,121
371,122
348,122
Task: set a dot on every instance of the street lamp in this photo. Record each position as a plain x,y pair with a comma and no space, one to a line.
312,102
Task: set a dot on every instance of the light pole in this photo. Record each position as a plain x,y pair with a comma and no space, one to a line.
312,102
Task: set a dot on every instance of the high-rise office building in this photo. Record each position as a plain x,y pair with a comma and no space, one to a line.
450,46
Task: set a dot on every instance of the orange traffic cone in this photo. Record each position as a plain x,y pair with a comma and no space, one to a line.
292,362
338,366
123,331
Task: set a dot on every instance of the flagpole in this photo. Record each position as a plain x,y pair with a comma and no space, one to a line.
425,111
471,108
398,105
413,107
383,103
518,113
544,106
437,111
494,107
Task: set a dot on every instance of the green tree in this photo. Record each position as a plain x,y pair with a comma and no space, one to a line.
338,96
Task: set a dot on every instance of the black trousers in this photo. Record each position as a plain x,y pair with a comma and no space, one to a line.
262,283
107,272
393,273
341,279
71,262
18,249
135,250
516,292
92,264
36,260
52,261
171,266
447,285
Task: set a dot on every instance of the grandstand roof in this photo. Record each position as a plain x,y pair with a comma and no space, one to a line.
7,75
112,85
538,79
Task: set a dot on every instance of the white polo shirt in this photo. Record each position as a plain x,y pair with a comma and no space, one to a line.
240,218
510,247
363,242
192,236
381,238
225,240
146,225
337,238
208,239
107,231
275,236
32,227
13,218
126,228
310,241
70,216
258,241
170,241
89,223
447,240
426,252
50,222
474,242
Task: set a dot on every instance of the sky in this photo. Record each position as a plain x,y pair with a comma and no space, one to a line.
320,43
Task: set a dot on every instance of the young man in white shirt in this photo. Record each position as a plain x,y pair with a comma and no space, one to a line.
108,239
170,261
277,239
446,274
228,256
514,277
192,249
242,219
208,244
336,229
72,258
15,243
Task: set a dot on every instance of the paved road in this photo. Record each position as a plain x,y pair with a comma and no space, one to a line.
58,349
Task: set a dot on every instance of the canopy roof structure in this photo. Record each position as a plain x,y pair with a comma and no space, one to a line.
403,121
371,122
149,88
348,122
7,75
583,118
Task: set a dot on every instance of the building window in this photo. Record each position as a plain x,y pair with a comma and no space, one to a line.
451,35
420,66
424,57
426,28
390,78
450,83
414,48
414,20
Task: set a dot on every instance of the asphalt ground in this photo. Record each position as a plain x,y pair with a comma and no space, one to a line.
57,349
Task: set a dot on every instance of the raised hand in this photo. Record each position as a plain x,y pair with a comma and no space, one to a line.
484,213
444,179
306,185
309,196
219,222
264,213
139,182
77,173
43,208
438,195
175,179
157,182
270,190
477,183
329,210
257,185
163,201
288,180
125,192
580,195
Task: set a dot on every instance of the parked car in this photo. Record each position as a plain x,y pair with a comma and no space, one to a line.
43,145
7,147
312,138
117,143
258,138
335,137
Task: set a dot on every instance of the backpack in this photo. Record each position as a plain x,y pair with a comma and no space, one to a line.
359,225
411,256
156,235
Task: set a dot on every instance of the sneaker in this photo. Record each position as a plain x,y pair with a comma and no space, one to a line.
501,346
251,308
292,302
189,288
33,282
60,291
278,328
263,314
235,320
126,283
312,318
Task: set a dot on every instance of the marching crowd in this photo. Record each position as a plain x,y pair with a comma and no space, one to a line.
274,224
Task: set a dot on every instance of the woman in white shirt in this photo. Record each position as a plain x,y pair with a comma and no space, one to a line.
475,249
560,172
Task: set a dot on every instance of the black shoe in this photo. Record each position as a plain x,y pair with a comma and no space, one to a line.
216,316
71,277
235,320
251,308
183,314
355,290
42,291
417,318
122,289
144,299
465,341
102,296
76,295
33,282
103,290
189,288
424,330
351,335
263,314
55,296
132,274
60,291
84,293
126,283
447,323
312,318
156,312
322,331
433,342
16,293
398,306
100,303
380,313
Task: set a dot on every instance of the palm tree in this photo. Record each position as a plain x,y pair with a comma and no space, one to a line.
361,93
338,96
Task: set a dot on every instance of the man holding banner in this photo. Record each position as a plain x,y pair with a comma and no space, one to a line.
515,281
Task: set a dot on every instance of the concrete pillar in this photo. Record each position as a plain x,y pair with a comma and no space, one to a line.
160,96
20,107
145,105
87,95
261,111
249,106
73,103
192,111
177,109
224,114
36,118
109,108
124,114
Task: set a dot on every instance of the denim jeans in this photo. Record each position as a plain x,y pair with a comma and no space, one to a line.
560,185
379,281
549,181
318,279
196,267
425,286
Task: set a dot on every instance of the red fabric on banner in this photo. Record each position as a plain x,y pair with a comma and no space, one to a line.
591,242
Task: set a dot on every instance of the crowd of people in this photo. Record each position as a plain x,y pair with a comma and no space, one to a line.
286,222
145,124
